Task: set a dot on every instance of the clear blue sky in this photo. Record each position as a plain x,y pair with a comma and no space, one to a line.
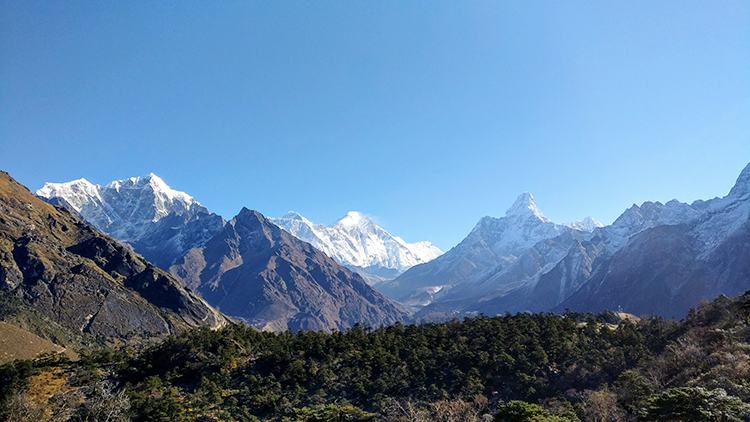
426,115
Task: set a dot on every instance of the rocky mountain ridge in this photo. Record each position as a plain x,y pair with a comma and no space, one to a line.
680,254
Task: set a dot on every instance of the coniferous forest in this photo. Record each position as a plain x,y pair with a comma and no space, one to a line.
523,367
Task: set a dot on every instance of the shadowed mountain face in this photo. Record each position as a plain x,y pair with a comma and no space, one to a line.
698,252
83,280
257,272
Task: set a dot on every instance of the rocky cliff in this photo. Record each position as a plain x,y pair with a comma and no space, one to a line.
85,281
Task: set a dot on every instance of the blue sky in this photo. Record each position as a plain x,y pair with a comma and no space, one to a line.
426,115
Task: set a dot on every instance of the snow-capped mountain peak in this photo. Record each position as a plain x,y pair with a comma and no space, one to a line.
131,210
356,241
293,215
523,226
588,224
150,188
525,207
77,192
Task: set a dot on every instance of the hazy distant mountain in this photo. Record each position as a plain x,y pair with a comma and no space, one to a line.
257,272
356,242
158,222
85,281
493,245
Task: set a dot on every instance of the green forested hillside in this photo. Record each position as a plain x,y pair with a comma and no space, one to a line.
513,367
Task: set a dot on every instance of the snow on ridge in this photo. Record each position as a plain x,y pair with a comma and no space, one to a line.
354,219
523,226
525,206
165,198
742,185
712,220
122,207
355,240
77,193
588,224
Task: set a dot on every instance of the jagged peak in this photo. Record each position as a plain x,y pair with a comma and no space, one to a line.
151,182
525,207
742,185
248,217
293,216
49,189
75,193
246,212
148,180
155,181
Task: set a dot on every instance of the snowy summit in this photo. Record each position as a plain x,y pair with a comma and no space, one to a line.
357,242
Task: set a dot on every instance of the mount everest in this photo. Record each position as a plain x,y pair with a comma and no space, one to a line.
162,224
356,242
257,272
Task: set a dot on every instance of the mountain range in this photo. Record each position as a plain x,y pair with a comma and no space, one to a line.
248,267
655,258
674,255
258,272
493,257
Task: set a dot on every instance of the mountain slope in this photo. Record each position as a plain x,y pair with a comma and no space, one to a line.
158,222
85,281
554,269
669,268
356,242
257,272
493,245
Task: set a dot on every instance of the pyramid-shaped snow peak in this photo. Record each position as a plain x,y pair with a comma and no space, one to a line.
294,215
525,207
